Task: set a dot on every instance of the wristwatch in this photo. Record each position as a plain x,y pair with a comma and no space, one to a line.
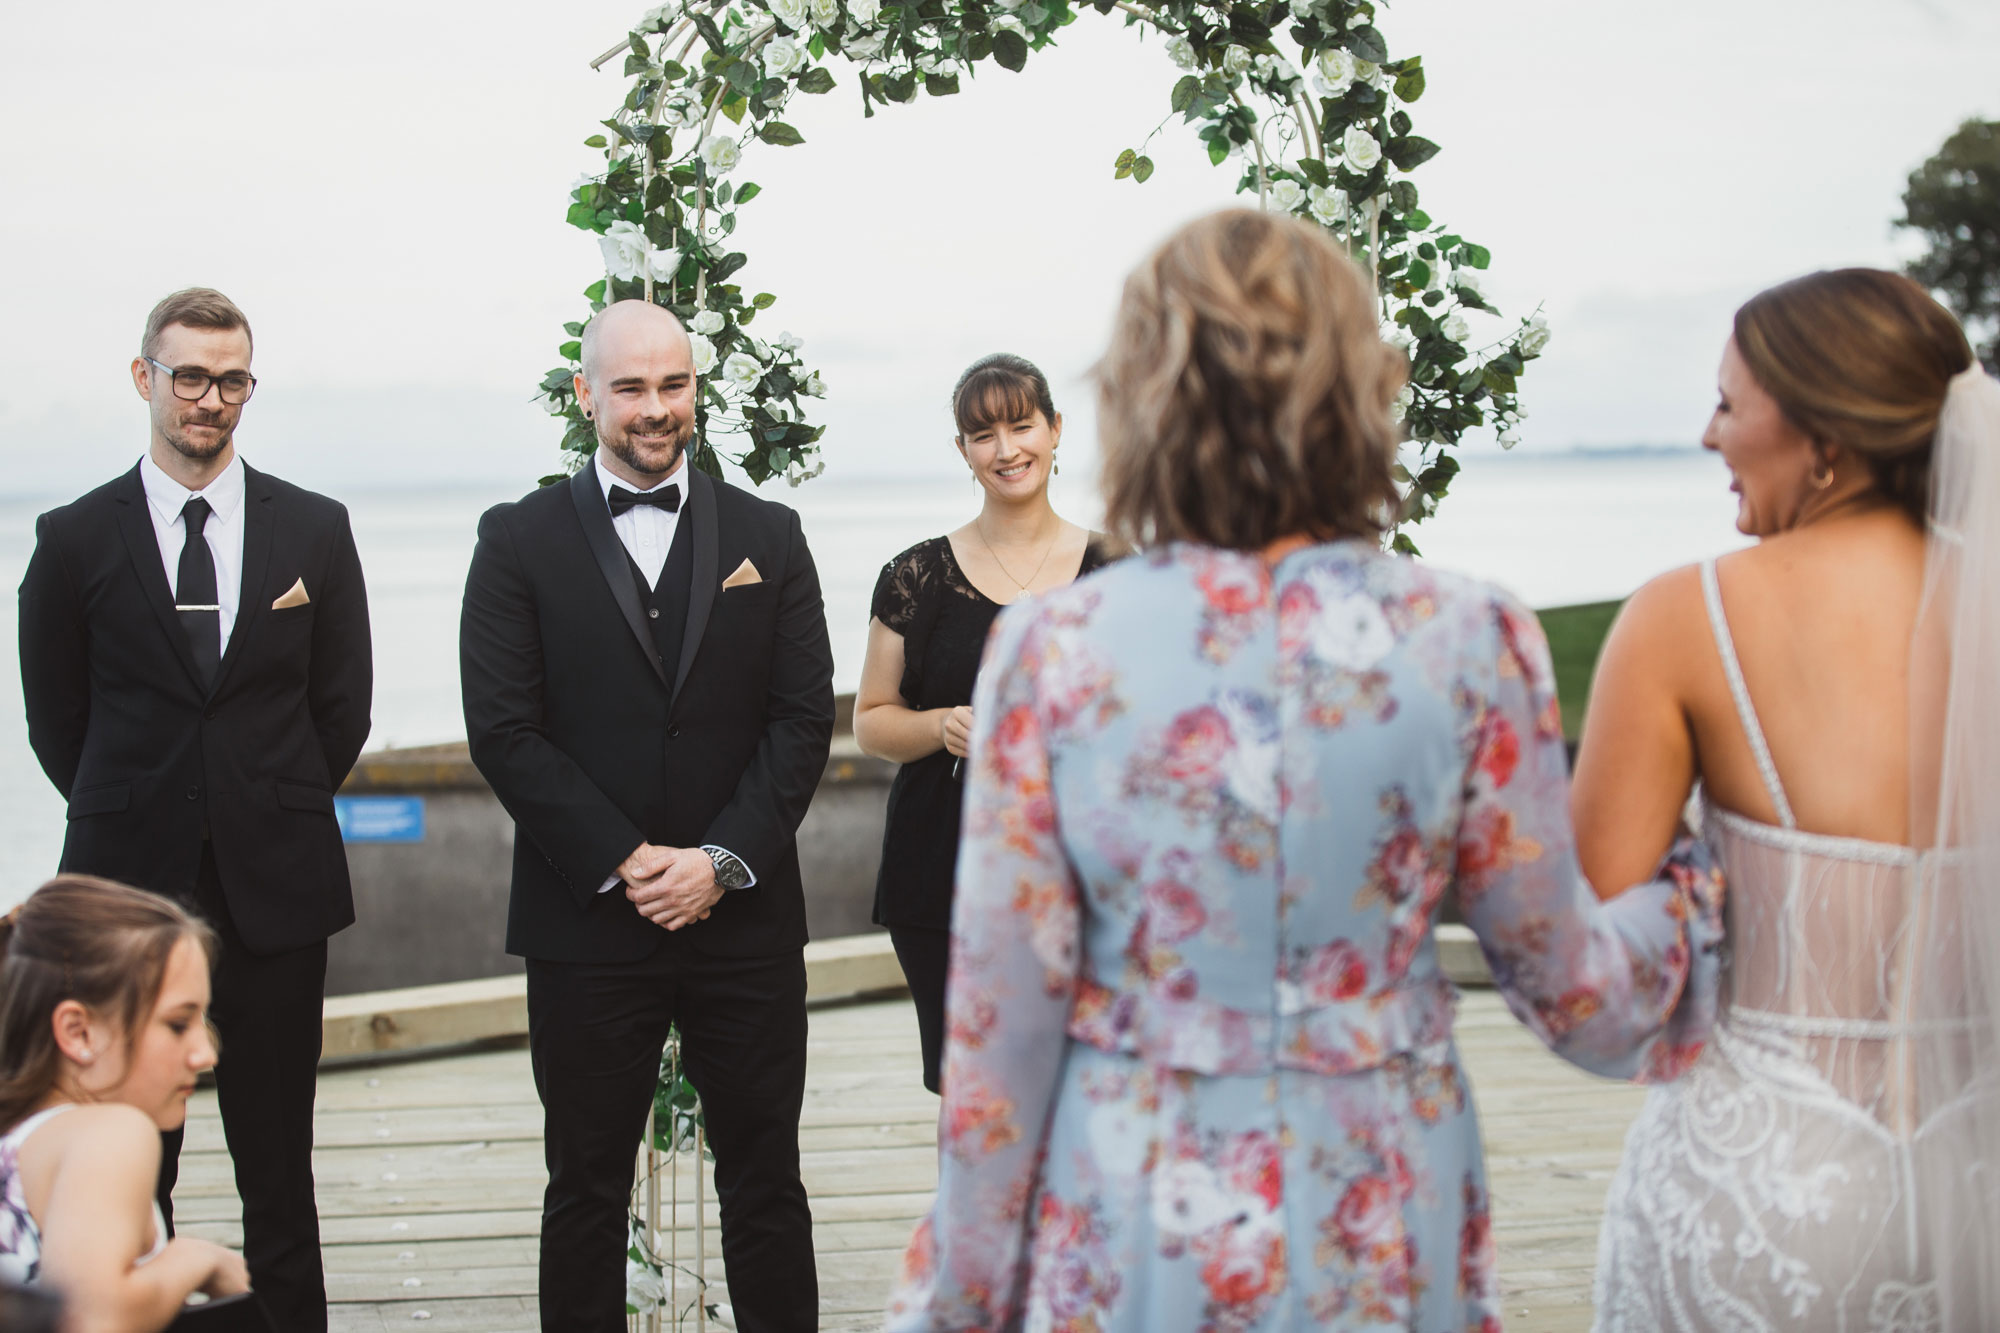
730,872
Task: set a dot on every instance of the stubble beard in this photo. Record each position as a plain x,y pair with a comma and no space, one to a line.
648,464
187,447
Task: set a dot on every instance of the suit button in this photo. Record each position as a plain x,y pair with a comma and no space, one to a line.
674,732
653,613
194,793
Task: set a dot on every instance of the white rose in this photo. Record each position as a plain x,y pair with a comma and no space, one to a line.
1534,337
1455,327
1182,51
792,13
643,1287
1358,147
1351,631
678,111
625,249
708,322
1235,60
1008,23
1359,19
782,55
1440,275
1011,5
930,64
663,264
1284,195
790,341
720,154
814,387
1366,70
796,473
1337,68
1400,408
1509,438
1470,280
861,48
704,353
825,13
1303,10
1328,206
864,12
742,370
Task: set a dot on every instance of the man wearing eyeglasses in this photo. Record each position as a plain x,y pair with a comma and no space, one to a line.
195,660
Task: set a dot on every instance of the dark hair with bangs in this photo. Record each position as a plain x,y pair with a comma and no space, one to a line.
1000,387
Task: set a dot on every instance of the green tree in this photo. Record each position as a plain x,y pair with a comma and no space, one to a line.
1954,201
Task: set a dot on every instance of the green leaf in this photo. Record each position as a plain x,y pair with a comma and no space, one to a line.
763,301
1010,50
1476,255
1403,197
1142,169
1411,151
1185,92
1419,274
777,132
570,351
1367,43
574,328
734,109
596,141
1498,380
1123,166
636,64
595,291
818,79
727,265
1399,123
1410,85
1315,172
584,216
746,192
777,460
1217,150
941,85
711,34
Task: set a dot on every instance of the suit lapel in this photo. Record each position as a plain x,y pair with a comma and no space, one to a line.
707,564
258,525
588,498
135,525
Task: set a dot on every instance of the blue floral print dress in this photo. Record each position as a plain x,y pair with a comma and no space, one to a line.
1200,1071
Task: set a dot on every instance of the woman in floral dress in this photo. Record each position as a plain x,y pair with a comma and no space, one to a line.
1200,1071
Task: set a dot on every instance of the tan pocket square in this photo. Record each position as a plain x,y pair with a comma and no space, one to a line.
293,596
746,573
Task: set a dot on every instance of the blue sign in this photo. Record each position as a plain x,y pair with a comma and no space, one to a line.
380,818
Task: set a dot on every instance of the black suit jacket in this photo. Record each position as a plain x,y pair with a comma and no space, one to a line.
147,760
593,750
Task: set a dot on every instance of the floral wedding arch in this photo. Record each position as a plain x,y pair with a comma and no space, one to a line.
1301,93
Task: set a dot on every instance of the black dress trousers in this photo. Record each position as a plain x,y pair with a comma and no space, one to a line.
267,1011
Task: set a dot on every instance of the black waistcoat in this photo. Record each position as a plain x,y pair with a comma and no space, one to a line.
666,603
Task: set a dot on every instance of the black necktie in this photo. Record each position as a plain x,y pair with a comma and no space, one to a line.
668,498
194,594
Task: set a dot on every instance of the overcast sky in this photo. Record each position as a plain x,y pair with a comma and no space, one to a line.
382,187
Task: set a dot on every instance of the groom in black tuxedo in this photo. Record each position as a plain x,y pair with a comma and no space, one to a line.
195,662
648,687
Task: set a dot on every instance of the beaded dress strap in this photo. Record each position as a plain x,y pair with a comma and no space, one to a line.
1711,592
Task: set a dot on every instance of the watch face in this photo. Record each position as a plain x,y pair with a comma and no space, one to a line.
730,873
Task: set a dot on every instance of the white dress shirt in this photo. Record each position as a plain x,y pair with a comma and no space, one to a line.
647,535
223,530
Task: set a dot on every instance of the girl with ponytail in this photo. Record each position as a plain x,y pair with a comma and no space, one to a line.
103,1030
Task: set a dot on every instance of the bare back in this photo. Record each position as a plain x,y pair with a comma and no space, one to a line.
1821,619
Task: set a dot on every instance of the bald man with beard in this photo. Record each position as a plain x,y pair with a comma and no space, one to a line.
648,688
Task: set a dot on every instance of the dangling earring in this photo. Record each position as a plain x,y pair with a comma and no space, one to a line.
1822,476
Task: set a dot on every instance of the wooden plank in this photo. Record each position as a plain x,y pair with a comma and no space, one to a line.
418,1018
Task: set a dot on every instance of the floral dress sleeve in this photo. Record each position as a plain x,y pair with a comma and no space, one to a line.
1015,929
1625,987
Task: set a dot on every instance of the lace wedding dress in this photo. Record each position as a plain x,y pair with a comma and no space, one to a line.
1786,1180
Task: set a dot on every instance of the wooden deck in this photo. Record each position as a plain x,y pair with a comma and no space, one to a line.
430,1175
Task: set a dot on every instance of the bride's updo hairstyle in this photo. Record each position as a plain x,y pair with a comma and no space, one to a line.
1858,359
1245,396
99,943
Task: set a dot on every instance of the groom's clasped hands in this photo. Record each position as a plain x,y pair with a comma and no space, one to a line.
671,886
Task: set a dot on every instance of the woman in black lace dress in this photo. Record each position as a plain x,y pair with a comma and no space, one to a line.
932,608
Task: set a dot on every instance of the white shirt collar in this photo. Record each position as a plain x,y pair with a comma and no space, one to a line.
606,479
169,497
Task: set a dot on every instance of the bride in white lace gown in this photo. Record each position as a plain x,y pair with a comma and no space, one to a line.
1827,1160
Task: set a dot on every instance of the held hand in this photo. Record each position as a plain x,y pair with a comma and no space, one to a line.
958,730
230,1276
646,862
681,893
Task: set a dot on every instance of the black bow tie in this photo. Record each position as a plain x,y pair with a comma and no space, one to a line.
667,498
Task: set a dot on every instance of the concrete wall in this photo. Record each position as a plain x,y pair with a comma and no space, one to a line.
435,910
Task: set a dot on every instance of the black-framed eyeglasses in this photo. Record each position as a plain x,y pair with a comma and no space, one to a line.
192,385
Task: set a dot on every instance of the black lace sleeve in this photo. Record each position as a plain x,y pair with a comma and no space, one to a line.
904,586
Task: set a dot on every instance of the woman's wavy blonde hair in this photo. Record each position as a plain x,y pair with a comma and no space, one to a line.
1245,395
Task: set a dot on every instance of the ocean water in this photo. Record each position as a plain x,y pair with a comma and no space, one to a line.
1556,528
